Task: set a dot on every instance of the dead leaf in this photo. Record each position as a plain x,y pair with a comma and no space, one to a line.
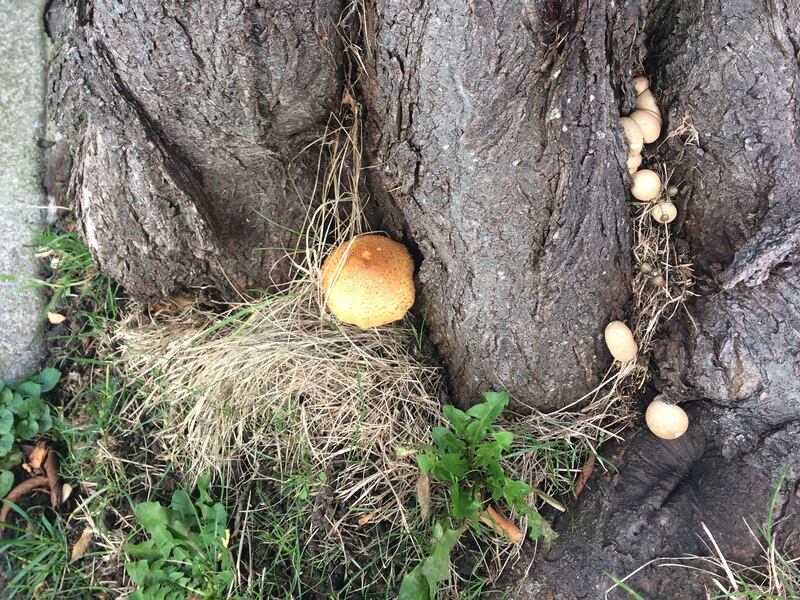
80,547
586,472
367,518
55,318
37,456
424,496
499,524
550,500
66,492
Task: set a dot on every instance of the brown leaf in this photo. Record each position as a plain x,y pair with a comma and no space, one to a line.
37,456
51,470
586,472
80,547
424,496
56,318
501,525
367,518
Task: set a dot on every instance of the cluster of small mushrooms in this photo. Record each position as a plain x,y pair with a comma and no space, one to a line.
643,126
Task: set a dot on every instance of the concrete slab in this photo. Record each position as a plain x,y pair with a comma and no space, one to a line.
22,84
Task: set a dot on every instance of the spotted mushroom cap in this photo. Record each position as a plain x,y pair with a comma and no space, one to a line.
369,281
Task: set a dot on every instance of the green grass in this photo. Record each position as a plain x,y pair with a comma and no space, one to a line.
38,564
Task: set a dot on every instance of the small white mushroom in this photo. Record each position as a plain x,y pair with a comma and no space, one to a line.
647,101
641,83
632,134
620,342
664,212
646,185
634,162
667,421
650,124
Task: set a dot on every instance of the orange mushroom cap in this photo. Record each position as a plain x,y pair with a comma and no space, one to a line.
369,281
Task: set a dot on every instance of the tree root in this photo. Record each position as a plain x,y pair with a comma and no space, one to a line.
27,486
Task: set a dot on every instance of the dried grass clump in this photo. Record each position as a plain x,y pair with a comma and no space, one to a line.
273,375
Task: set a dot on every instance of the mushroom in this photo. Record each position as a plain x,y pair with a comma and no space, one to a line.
369,281
664,212
672,191
633,134
634,162
667,421
647,101
620,342
649,122
641,83
646,185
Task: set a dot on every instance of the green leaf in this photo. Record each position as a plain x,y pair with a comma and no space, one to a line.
515,491
457,417
203,483
454,464
538,527
6,443
487,455
45,421
446,440
426,462
465,505
48,379
151,515
6,396
6,420
484,414
422,582
504,439
414,586
17,404
11,458
6,483
26,429
138,571
143,550
182,504
436,567
29,388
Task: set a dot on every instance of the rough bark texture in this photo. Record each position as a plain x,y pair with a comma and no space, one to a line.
182,120
734,69
500,157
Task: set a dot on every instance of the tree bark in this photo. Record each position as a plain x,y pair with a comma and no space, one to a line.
500,157
492,133
733,69
184,122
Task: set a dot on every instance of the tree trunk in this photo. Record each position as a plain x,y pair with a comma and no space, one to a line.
733,70
493,133
184,122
